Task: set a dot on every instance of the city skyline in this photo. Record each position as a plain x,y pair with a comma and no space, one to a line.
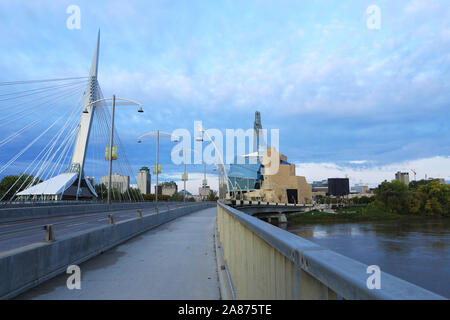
348,100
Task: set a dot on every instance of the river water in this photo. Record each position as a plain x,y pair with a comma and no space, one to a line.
417,251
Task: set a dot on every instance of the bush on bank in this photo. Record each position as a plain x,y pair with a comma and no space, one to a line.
428,198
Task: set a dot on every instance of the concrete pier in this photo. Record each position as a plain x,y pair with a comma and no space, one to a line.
173,261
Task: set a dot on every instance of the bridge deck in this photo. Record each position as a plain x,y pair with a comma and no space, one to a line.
173,261
11,236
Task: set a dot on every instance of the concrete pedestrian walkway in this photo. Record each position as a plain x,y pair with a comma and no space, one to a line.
173,261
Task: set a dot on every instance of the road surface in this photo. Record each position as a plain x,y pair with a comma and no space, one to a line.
21,233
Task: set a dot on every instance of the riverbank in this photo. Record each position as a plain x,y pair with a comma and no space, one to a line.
347,215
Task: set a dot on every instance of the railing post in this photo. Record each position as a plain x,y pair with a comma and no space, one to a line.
157,210
49,235
140,213
111,219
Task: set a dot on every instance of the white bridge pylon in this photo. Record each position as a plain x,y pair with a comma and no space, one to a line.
73,184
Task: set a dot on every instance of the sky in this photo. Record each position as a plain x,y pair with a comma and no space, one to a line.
348,100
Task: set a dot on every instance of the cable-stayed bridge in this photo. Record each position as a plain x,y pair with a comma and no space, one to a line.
185,251
67,144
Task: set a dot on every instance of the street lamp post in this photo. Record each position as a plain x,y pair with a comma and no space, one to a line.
157,166
157,134
219,154
111,141
184,175
111,135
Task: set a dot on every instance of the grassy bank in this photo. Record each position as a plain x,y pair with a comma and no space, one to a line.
348,215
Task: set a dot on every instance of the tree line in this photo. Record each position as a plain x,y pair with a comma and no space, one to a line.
12,184
424,197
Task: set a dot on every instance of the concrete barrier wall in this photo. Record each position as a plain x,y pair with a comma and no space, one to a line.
17,214
266,262
24,268
23,204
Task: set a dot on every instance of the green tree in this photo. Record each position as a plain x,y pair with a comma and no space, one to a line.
132,194
12,184
435,198
394,196
101,190
427,197
177,197
415,203
319,199
212,196
415,185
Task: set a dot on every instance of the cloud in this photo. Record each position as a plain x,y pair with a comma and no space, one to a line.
358,161
336,90
436,167
419,6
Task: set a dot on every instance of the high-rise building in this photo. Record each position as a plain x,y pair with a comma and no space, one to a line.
258,136
360,188
144,180
253,181
204,191
168,188
119,182
320,184
338,187
402,176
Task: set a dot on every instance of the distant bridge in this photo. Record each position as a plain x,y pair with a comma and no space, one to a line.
268,211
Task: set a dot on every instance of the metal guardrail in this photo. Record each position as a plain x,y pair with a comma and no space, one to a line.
49,228
46,203
265,203
266,262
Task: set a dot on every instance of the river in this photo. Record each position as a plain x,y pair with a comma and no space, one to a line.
417,251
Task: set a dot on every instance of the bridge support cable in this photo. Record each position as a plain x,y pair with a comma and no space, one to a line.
31,174
95,159
30,92
56,137
127,169
97,141
40,164
41,116
68,152
30,106
95,150
107,127
122,163
9,83
40,161
102,138
68,141
71,118
13,159
28,114
43,151
67,148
